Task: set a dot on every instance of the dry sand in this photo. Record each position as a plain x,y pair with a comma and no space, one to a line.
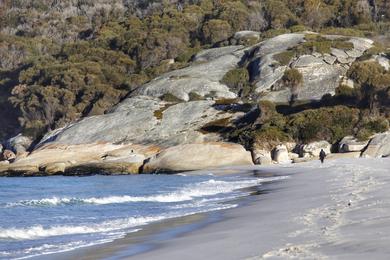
339,210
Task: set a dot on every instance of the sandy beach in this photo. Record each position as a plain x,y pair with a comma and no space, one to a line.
339,210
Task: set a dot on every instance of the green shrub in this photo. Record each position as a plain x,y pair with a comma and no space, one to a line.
168,97
284,58
268,137
236,79
273,33
342,31
364,134
329,124
193,96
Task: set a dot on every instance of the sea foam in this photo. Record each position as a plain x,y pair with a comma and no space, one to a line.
187,193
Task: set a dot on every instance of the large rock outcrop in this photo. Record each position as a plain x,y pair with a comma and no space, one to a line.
203,77
322,72
81,159
146,120
189,157
378,147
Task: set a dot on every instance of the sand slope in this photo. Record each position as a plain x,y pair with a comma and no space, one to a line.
339,210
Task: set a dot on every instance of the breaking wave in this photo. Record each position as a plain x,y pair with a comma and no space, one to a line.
206,188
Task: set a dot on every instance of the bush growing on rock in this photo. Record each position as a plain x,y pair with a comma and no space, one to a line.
330,124
293,79
373,82
237,80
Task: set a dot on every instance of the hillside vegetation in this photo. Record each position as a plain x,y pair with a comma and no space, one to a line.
64,60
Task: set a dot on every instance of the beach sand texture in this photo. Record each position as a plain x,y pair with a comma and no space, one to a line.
339,210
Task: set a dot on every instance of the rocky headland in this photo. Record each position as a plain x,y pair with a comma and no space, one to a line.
183,120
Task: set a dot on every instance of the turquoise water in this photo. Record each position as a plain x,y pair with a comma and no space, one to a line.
46,215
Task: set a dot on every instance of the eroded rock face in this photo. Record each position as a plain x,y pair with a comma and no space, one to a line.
189,157
322,73
378,147
18,144
280,154
79,159
146,120
261,157
202,77
8,155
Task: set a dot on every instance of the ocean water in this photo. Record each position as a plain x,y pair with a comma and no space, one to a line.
45,215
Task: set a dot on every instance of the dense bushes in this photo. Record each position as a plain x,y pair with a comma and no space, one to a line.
330,124
95,52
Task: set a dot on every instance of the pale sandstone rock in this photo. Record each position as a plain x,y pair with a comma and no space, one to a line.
261,157
313,149
8,155
350,144
280,154
379,146
189,157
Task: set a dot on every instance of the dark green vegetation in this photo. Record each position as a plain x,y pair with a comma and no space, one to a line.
63,60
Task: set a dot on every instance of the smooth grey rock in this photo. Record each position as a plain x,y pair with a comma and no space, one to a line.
214,53
354,53
18,144
343,60
137,120
280,43
320,75
330,59
339,53
317,81
241,35
378,147
308,61
268,73
361,44
350,144
313,149
317,54
202,78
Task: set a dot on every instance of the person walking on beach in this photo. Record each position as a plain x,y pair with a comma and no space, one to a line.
322,155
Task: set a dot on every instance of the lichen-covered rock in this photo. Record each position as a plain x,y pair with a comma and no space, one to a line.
350,144
189,157
308,61
145,120
322,73
379,146
202,77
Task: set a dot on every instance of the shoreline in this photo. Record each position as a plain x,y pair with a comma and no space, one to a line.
151,235
336,210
